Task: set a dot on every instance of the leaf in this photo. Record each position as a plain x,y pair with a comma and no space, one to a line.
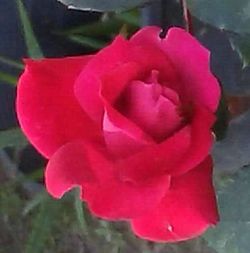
232,233
101,5
87,41
231,15
34,50
241,43
12,63
104,26
233,152
8,78
42,225
80,214
11,138
34,202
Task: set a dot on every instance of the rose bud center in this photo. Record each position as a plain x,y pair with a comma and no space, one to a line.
154,107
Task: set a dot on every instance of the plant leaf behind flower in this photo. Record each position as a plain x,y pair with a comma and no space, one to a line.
100,5
231,235
33,47
230,15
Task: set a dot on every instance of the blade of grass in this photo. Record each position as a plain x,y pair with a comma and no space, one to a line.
33,47
86,41
8,78
80,214
99,28
11,63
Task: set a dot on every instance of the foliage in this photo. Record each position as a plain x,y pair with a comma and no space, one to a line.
101,5
232,233
12,138
33,47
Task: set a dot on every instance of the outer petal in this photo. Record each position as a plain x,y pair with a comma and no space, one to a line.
69,167
119,200
47,109
81,164
186,211
190,59
178,154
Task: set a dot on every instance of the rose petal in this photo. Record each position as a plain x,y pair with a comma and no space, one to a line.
178,154
119,200
148,108
68,167
47,110
88,84
186,211
121,142
118,57
83,165
190,59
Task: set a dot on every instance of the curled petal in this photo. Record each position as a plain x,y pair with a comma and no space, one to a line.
186,211
178,154
190,59
68,167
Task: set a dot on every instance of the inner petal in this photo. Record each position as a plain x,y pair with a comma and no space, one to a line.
153,107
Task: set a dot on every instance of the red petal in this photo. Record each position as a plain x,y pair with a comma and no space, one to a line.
88,84
111,67
47,109
119,200
179,153
122,142
80,164
68,167
190,59
186,211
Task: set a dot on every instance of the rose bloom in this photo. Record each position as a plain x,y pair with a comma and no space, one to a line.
131,127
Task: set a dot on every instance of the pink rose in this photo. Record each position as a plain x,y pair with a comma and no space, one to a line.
131,126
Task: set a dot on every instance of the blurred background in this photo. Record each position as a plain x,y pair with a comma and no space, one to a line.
33,222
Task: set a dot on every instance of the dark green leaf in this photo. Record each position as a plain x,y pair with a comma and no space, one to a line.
232,233
231,15
80,214
232,152
241,43
12,63
32,44
42,225
87,41
103,5
12,137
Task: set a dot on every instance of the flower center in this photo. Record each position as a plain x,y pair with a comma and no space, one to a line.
152,106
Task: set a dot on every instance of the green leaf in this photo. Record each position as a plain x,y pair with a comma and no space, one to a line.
12,137
11,63
42,225
231,15
34,50
34,202
80,214
102,5
87,41
241,43
232,233
233,151
8,78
